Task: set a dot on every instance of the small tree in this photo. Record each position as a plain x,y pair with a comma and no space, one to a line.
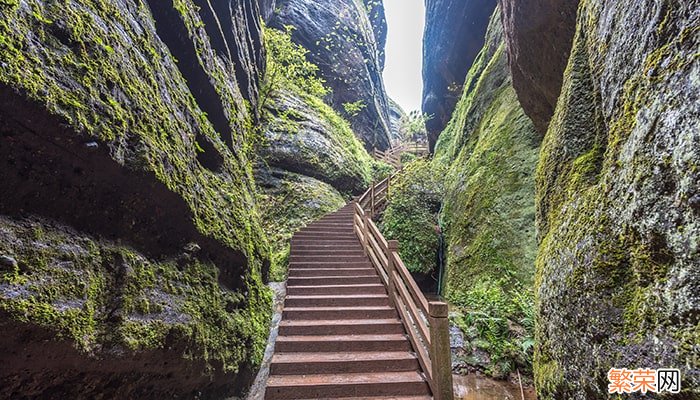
287,65
412,126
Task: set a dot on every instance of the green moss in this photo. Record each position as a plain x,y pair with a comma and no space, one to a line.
107,74
490,150
101,296
297,116
602,275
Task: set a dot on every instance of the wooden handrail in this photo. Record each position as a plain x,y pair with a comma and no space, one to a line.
392,155
425,321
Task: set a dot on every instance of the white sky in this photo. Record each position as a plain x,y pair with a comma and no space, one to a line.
404,52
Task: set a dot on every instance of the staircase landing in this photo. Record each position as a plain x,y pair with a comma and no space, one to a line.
339,336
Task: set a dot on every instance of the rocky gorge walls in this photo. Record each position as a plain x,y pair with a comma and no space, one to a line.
454,36
345,39
605,210
618,283
312,161
132,253
478,192
489,150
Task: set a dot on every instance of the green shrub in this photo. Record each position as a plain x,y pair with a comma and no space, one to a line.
287,66
411,216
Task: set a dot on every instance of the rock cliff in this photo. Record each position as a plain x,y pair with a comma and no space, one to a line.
538,40
454,35
490,150
133,258
618,188
343,43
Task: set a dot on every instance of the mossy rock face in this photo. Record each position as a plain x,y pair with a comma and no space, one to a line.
490,149
92,313
618,185
124,121
306,136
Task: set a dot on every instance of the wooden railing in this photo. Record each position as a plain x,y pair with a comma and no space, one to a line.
425,321
392,156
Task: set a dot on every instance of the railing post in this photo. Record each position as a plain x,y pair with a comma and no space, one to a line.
440,356
392,247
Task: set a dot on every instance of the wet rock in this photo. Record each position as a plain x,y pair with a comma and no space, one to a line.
310,143
396,115
538,37
168,96
8,263
456,337
454,36
342,42
618,278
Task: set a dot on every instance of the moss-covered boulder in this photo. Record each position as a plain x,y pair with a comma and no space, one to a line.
345,39
128,199
490,149
311,162
304,135
618,200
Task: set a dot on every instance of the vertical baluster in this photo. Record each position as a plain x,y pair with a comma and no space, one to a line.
440,356
365,233
393,247
371,196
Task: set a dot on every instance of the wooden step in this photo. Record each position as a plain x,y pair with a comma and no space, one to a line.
353,300
326,236
360,312
340,343
340,327
341,271
330,251
364,263
340,289
334,258
324,247
344,385
332,280
324,241
343,362
339,336
340,228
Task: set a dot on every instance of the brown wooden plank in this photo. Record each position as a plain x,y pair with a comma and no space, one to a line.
415,292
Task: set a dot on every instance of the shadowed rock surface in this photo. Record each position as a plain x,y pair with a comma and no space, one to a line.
538,38
618,184
396,114
340,37
454,35
140,257
489,151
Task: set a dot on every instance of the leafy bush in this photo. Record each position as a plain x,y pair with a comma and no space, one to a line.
354,108
499,321
411,216
287,66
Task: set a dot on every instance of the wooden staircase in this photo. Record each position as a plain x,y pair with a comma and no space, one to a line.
340,336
